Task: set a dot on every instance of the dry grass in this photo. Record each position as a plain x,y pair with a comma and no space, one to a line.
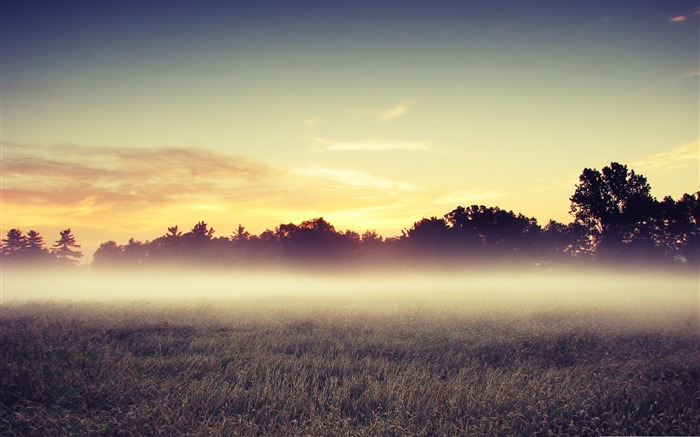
254,368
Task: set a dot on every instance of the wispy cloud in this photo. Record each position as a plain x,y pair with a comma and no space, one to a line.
118,192
122,190
103,181
681,156
692,73
369,144
678,19
353,178
397,111
312,121
386,114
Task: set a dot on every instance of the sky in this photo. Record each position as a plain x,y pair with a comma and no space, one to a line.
122,118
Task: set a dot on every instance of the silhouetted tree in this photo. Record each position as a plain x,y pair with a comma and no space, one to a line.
314,238
135,252
493,230
35,242
285,231
319,225
614,206
371,244
269,237
14,246
36,252
428,230
614,214
173,233
109,254
64,249
428,237
678,230
167,248
370,237
558,240
240,234
198,244
200,232
266,246
352,238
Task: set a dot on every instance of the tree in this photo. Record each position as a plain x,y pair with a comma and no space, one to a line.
63,249
312,239
35,242
240,234
492,229
135,252
614,206
678,230
558,239
429,236
35,249
173,233
319,225
14,246
199,232
198,245
166,248
109,254
371,237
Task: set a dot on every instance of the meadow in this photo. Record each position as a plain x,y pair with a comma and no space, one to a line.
580,361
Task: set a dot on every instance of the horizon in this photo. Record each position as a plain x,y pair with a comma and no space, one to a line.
121,119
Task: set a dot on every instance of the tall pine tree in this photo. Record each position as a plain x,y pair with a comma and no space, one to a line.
36,250
14,246
64,251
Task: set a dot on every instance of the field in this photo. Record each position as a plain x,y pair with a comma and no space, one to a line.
450,363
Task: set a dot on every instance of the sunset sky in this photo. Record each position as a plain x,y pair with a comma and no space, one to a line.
121,118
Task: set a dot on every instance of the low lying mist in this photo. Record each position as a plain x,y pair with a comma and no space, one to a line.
641,295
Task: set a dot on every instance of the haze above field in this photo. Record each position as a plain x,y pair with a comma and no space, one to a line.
638,295
120,119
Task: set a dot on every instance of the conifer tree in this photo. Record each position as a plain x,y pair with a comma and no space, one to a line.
14,245
35,248
63,249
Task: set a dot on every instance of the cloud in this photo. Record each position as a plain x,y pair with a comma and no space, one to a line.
353,178
678,19
386,114
397,111
679,157
117,193
370,144
79,180
118,164
692,73
311,122
122,191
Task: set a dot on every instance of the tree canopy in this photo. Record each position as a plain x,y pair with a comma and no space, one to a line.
614,217
615,206
30,249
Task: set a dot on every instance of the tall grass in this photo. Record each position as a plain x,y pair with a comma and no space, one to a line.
254,368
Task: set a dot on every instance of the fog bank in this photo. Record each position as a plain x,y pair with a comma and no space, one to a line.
492,289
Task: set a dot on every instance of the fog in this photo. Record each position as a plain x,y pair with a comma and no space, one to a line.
644,294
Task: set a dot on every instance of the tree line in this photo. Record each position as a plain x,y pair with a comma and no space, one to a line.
615,218
18,248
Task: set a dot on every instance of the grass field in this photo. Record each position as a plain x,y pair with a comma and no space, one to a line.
313,366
